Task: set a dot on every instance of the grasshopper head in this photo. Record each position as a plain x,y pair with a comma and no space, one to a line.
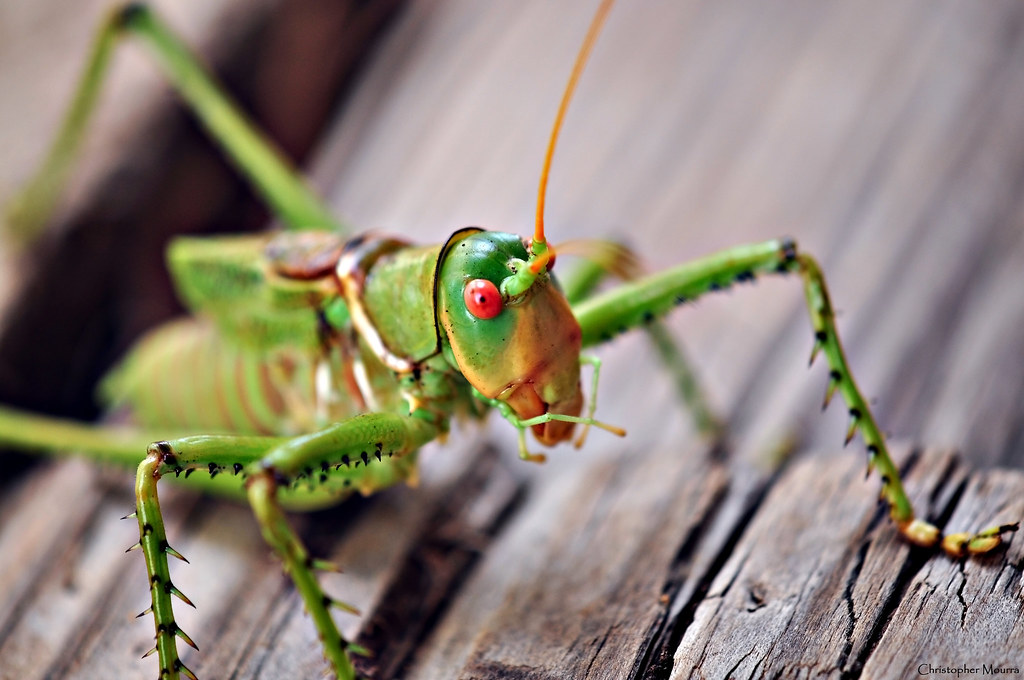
513,341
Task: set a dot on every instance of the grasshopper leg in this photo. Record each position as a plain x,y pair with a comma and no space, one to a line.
602,259
362,454
639,302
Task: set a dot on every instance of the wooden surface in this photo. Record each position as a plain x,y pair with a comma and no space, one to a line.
887,138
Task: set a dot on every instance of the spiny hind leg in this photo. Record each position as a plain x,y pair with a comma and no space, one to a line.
602,259
362,454
826,340
635,303
365,447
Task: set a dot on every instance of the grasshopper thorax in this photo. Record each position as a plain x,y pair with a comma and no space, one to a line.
520,347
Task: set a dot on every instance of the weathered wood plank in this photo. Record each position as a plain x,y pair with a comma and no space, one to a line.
888,138
811,588
962,614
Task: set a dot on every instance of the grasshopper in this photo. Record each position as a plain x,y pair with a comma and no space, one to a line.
339,392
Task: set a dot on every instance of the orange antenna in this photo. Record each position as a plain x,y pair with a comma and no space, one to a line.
539,244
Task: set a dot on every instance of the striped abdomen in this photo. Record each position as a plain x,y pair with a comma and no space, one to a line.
183,375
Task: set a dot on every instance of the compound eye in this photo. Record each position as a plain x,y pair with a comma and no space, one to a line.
483,300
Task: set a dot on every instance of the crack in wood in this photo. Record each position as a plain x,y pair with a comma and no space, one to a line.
440,562
658,661
851,582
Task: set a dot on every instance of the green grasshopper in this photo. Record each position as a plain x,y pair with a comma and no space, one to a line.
328,392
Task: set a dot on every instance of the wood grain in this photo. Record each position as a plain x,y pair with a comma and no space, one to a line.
887,138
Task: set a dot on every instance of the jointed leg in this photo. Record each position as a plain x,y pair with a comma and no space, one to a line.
364,453
639,302
607,258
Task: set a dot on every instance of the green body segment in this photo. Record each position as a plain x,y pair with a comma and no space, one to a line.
274,367
232,281
398,296
185,375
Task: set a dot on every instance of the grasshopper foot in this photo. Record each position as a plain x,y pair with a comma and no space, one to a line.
963,544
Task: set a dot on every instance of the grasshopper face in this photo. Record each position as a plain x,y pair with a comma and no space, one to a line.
522,349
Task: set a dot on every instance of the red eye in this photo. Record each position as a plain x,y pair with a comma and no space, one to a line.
482,299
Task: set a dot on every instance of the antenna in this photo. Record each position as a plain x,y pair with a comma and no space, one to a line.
539,248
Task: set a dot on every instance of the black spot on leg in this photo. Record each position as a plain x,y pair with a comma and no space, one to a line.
178,470
648,317
788,248
324,467
680,299
745,277
365,457
164,452
855,413
147,529
821,336
872,450
835,375
323,477
189,471
237,467
155,580
346,461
